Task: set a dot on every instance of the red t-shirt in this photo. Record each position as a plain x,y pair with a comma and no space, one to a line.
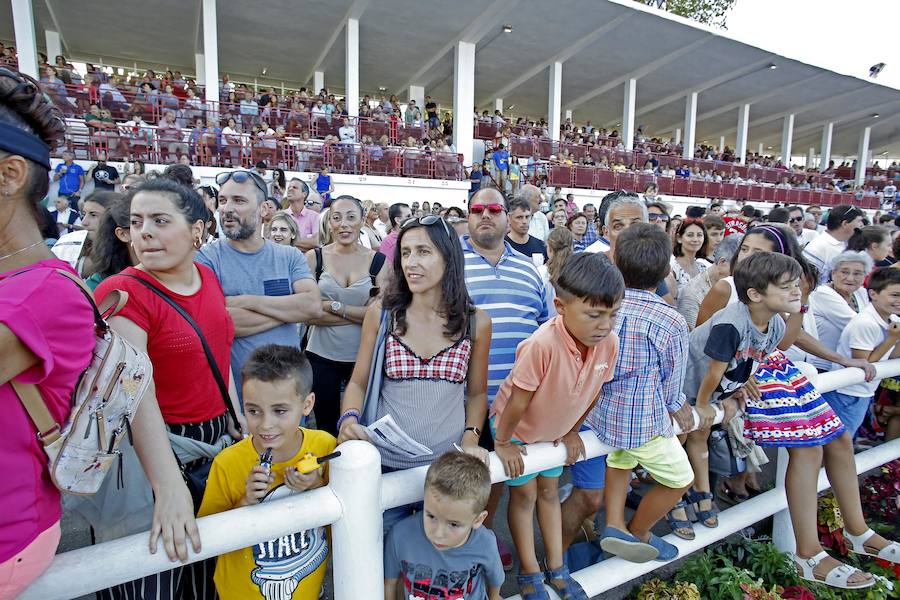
735,226
185,388
52,318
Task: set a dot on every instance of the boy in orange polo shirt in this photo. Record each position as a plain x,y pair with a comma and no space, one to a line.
553,385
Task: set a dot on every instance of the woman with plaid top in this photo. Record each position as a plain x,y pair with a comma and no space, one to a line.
434,382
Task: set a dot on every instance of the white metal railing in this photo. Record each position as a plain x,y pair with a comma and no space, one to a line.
350,504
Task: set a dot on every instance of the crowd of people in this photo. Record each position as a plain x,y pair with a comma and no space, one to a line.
281,319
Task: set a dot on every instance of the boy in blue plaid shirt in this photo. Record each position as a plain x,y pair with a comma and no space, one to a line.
636,408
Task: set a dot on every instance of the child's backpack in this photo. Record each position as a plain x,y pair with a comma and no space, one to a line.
104,403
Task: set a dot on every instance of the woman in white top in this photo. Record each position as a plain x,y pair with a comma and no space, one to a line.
231,139
835,303
690,245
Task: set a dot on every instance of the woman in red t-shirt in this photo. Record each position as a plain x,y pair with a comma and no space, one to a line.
167,226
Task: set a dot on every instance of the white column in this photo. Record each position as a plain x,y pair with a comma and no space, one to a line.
417,93
464,99
825,148
318,82
26,45
759,149
554,104
568,114
787,137
677,136
498,104
54,45
627,132
690,124
199,67
862,155
210,51
742,130
810,157
721,143
351,88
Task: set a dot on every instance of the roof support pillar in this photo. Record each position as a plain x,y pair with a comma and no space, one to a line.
825,149
351,86
862,156
721,143
810,157
26,44
498,104
210,52
628,113
318,82
54,45
464,99
787,138
554,101
677,136
417,93
690,124
743,127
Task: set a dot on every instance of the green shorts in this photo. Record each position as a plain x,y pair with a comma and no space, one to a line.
662,457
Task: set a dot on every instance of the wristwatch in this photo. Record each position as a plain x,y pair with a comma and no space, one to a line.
336,307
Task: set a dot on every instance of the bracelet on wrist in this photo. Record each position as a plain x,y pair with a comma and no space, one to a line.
346,415
499,442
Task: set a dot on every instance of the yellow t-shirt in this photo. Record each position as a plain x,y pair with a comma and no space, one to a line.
292,566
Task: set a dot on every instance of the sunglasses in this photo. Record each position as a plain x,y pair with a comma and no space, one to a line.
310,202
796,219
658,217
494,209
243,177
427,222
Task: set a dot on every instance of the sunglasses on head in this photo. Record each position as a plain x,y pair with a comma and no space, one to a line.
243,177
427,222
494,209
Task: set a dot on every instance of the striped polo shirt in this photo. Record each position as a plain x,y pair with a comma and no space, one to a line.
513,295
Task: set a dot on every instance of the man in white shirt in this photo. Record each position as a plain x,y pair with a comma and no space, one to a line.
538,226
796,219
842,221
889,192
381,223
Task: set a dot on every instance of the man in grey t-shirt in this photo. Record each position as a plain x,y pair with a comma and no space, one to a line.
268,287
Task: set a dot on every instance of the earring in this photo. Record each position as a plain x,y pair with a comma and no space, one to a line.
197,243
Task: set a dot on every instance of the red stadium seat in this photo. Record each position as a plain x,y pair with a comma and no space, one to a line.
755,193
585,177
681,187
665,184
713,190
627,182
768,193
779,195
606,179
728,191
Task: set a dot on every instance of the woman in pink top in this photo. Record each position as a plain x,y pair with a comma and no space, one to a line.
46,339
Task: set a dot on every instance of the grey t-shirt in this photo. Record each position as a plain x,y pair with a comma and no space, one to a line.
730,337
271,271
426,572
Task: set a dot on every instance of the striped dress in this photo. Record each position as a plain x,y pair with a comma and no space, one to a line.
512,293
790,411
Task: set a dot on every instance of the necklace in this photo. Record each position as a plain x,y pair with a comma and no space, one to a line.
21,250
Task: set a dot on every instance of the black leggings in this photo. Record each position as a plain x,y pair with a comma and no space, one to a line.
330,377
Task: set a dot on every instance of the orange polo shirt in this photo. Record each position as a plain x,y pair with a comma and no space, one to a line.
565,386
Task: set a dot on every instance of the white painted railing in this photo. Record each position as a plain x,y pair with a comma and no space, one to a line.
350,505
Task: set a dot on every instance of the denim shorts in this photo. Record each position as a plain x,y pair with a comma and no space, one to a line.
589,474
852,410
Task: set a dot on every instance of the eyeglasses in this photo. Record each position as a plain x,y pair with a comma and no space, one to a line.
427,222
310,202
658,217
494,209
243,177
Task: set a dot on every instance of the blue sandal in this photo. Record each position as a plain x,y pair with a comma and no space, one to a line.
531,586
667,551
565,587
707,518
624,545
683,528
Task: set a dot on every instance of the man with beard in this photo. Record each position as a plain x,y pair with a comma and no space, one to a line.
507,286
268,287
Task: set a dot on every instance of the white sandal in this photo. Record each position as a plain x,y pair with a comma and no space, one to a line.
857,545
838,577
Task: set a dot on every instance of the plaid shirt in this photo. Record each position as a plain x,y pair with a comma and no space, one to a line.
634,406
450,364
590,236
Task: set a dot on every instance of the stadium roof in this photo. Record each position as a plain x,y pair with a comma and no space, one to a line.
601,43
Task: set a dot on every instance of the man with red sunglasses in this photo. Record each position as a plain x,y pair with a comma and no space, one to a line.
507,286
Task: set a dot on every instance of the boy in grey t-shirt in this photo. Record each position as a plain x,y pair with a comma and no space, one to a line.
726,350
444,552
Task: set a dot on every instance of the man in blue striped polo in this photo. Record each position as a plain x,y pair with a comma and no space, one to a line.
507,286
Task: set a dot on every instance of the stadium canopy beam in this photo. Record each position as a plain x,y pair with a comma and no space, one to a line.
571,50
803,132
752,100
464,99
787,138
638,73
862,155
485,23
700,87
554,100
742,131
57,29
628,114
690,124
26,44
354,12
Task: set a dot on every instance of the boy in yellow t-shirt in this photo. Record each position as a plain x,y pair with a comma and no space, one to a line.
276,382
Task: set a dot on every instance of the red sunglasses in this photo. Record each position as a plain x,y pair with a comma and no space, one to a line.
494,209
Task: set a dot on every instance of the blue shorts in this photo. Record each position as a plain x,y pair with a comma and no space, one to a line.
852,410
589,474
554,472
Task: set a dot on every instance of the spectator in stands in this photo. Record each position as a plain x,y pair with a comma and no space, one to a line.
70,177
474,175
515,174
539,226
398,214
590,234
105,176
691,296
324,185
501,166
412,113
577,224
382,223
796,219
842,221
370,209
268,288
518,236
683,171
349,276
690,248
875,241
715,232
436,402
170,135
232,141
431,113
283,229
